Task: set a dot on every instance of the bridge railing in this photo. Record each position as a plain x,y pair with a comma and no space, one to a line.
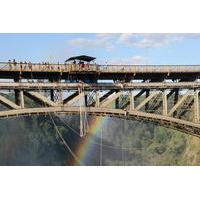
150,68
48,67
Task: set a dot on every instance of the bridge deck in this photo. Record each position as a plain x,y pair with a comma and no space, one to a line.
99,86
104,72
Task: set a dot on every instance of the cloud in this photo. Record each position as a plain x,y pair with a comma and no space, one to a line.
154,40
101,40
149,40
127,61
110,41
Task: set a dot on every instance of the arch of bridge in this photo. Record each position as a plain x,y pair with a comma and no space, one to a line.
170,122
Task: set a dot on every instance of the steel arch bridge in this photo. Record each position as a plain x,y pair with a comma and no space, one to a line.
165,95
179,113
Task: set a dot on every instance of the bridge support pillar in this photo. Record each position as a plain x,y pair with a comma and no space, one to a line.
19,98
86,99
97,99
147,104
196,106
131,97
117,102
61,97
56,96
164,96
22,98
19,95
53,92
176,95
52,95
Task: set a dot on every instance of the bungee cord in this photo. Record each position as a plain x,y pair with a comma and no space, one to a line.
96,143
64,142
83,133
61,137
83,114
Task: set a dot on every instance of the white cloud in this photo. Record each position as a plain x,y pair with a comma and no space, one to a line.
149,40
109,41
127,61
138,60
82,42
101,40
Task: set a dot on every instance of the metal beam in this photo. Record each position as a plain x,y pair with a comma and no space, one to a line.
146,100
160,102
179,103
147,95
140,93
41,98
179,124
176,97
21,96
190,102
8,103
106,95
97,99
100,86
70,97
75,99
196,106
110,99
164,98
132,100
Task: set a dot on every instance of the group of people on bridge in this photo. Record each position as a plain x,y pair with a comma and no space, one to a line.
72,64
23,65
46,66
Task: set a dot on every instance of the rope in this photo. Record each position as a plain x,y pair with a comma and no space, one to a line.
101,153
105,145
60,135
83,117
81,120
64,142
67,146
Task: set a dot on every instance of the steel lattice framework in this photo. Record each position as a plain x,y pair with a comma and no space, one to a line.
165,95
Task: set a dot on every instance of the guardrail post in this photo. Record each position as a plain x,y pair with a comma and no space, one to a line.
147,95
86,98
21,98
97,99
131,97
176,98
164,96
117,101
17,93
196,106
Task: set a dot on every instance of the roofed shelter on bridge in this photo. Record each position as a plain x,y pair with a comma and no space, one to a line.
82,58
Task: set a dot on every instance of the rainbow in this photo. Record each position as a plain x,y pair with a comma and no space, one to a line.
86,146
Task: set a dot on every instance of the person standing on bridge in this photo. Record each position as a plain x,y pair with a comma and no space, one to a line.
30,66
10,64
25,65
14,63
21,65
58,66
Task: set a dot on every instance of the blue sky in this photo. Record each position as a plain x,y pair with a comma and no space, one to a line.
124,48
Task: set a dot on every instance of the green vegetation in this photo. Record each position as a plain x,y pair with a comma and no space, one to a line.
158,146
33,141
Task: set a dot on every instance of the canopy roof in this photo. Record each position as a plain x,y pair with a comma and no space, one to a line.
82,58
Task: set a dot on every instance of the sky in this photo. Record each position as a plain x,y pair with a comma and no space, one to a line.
108,48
